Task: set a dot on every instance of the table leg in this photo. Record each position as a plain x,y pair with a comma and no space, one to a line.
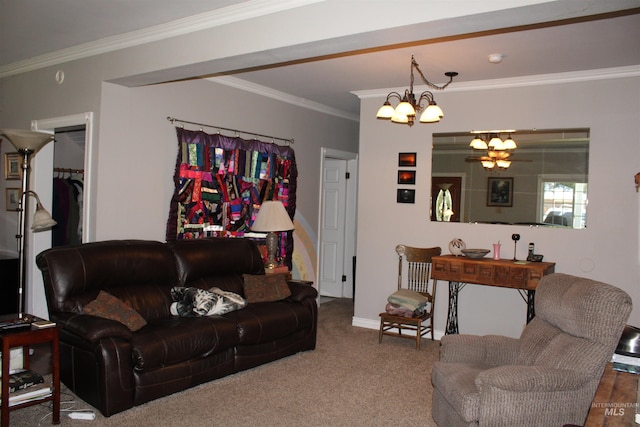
531,309
55,368
5,384
452,313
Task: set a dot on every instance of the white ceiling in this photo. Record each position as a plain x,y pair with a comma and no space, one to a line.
29,28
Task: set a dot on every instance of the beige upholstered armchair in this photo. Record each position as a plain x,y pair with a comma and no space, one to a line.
547,377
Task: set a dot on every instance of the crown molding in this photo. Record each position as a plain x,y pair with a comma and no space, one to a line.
533,80
203,21
282,96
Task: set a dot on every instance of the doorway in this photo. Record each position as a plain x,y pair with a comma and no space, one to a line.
337,224
42,177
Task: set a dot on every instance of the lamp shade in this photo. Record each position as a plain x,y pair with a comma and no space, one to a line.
272,217
386,111
26,139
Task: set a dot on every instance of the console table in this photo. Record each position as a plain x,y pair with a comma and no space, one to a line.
459,271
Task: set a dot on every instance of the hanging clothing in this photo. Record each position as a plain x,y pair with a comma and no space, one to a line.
67,211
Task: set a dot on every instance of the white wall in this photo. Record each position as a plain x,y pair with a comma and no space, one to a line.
607,250
138,147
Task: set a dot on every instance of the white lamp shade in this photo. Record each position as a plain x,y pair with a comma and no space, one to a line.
496,143
510,144
405,108
272,217
432,114
400,118
26,139
385,112
478,144
42,220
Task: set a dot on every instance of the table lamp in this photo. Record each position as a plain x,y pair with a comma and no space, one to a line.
27,143
272,218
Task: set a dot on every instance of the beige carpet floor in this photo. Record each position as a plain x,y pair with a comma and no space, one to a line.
349,380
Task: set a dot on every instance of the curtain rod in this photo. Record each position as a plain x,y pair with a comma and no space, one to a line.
173,120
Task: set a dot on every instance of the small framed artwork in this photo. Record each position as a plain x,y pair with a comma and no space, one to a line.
500,192
406,196
12,198
12,166
407,159
406,177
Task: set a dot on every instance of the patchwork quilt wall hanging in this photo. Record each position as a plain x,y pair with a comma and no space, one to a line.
221,182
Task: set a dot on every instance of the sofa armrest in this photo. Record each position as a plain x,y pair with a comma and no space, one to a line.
531,379
491,350
91,328
301,291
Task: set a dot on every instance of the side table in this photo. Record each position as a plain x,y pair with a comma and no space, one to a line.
10,338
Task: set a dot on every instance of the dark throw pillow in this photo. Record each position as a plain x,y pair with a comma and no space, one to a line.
265,288
110,307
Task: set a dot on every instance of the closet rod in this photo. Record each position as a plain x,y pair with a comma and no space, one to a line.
172,120
67,170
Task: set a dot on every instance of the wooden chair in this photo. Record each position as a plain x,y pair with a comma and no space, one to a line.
418,262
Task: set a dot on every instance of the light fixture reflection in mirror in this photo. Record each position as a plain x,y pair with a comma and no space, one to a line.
549,172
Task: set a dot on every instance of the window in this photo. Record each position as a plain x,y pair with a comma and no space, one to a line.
564,202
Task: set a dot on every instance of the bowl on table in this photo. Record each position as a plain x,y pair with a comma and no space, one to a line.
475,253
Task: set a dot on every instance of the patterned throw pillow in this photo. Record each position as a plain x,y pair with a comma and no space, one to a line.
194,302
265,288
109,307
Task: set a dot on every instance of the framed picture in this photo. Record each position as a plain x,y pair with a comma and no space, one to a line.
12,166
500,192
12,198
407,159
406,196
406,177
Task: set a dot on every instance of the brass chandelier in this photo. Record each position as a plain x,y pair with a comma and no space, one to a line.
405,112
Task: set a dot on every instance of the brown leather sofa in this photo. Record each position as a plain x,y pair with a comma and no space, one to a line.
112,368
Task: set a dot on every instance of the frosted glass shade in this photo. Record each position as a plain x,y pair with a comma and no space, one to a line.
272,217
386,111
26,139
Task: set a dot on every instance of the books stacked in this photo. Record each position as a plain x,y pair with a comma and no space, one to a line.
25,386
34,392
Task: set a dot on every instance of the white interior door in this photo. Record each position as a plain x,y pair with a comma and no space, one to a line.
333,227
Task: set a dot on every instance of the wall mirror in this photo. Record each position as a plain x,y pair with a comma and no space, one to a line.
525,177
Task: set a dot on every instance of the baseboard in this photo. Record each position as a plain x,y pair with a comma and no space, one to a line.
375,324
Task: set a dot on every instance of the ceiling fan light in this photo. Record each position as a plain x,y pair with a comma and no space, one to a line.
385,112
509,144
478,143
503,164
488,164
496,143
432,114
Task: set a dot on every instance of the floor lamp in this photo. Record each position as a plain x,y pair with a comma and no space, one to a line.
272,218
27,143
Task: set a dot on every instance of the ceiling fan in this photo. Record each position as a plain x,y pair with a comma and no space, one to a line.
498,151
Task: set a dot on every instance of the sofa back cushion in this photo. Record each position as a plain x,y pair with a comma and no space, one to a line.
139,273
215,262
